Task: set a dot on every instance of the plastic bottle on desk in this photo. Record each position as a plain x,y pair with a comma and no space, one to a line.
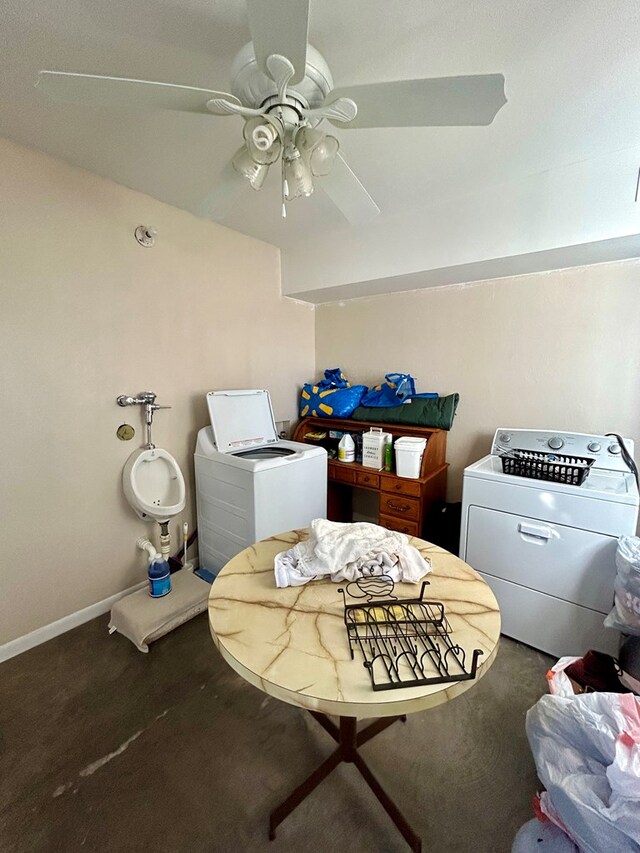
388,456
346,449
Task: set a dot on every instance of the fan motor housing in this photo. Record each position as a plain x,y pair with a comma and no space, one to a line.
252,86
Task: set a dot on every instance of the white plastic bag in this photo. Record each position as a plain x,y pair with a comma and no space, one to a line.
559,681
587,753
625,615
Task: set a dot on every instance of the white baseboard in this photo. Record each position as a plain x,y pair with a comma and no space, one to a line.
53,629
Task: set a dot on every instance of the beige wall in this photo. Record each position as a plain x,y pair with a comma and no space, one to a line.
87,314
556,350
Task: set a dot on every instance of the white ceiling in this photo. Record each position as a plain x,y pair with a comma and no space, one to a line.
572,82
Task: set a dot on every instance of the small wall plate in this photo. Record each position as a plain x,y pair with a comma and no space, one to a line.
125,432
145,235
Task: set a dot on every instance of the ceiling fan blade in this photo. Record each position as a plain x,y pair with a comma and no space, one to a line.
223,107
122,93
347,193
219,201
339,111
280,27
431,102
281,71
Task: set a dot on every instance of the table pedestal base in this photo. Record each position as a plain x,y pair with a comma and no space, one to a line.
348,739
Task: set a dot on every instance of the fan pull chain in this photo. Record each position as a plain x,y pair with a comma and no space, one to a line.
285,192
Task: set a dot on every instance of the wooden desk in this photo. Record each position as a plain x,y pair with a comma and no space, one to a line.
403,502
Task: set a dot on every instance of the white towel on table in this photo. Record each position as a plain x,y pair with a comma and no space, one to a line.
346,551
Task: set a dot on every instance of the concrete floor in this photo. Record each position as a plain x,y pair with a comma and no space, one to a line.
106,749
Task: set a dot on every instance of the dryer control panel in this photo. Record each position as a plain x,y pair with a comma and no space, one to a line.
604,449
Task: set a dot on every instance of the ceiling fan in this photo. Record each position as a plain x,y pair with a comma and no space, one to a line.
282,88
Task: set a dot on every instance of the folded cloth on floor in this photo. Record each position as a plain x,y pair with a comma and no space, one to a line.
143,619
345,552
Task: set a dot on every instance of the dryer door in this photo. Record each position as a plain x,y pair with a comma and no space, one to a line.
571,564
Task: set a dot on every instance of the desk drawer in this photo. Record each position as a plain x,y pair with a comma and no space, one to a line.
342,473
371,481
400,524
401,487
399,506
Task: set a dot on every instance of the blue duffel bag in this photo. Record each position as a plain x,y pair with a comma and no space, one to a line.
396,388
332,397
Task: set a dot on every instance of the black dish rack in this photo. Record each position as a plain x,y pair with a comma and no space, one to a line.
403,642
556,467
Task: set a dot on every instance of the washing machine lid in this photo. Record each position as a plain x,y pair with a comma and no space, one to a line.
241,420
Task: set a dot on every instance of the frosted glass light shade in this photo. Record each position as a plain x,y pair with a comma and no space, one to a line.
318,149
245,165
323,156
297,177
307,138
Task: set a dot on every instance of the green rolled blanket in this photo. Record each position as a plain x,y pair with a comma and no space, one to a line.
437,413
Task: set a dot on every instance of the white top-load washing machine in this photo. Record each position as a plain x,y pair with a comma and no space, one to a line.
249,483
547,549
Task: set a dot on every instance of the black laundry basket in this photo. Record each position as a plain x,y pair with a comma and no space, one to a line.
556,467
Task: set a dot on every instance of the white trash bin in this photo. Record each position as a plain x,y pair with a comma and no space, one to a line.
409,452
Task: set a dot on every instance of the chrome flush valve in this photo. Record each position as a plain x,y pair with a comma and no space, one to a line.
148,400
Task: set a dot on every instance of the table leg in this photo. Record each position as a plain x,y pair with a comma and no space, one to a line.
348,742
327,725
389,806
377,727
302,791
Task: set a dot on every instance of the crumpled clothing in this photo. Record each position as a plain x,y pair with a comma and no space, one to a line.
345,552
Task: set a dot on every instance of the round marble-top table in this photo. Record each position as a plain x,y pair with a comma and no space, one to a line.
292,644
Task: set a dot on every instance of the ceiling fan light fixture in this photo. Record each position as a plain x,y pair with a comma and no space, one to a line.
263,136
282,87
324,155
245,165
297,175
318,149
308,138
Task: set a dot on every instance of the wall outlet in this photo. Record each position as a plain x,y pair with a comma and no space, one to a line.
282,428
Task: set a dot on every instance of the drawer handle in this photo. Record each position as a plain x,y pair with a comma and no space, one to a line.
535,530
400,507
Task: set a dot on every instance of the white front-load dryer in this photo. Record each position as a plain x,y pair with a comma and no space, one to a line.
547,548
249,484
